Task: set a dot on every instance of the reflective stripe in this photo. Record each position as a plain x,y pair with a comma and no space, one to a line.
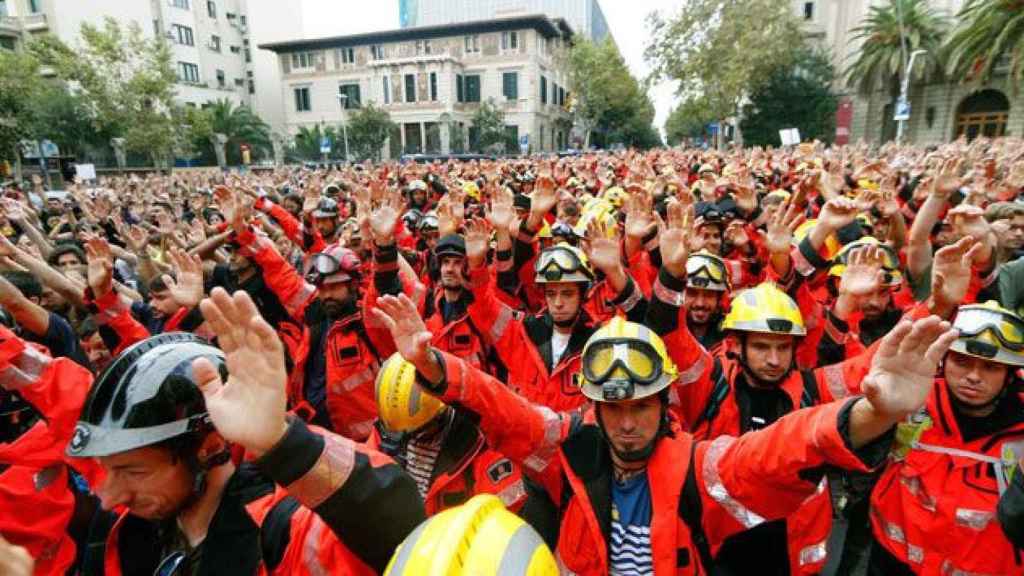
511,494
501,322
691,374
634,297
25,369
895,533
563,570
353,381
541,457
974,519
311,548
913,485
837,336
915,554
361,429
956,452
949,570
301,296
519,551
813,554
800,263
717,490
329,473
667,295
836,381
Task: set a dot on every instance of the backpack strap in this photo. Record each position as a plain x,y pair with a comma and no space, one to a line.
810,395
718,395
691,511
275,532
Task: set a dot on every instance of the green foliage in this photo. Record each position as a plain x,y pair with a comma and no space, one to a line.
721,50
238,122
687,120
489,125
986,32
368,129
880,60
307,142
607,99
126,83
795,96
20,87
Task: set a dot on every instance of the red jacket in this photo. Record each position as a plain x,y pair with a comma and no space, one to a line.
738,482
353,346
934,508
459,336
36,498
307,238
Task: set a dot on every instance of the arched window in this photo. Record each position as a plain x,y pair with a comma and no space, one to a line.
983,113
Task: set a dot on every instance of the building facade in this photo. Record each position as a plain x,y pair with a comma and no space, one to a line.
941,110
432,79
584,16
209,39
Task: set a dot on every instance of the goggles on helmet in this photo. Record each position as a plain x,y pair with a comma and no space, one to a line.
890,262
322,266
637,361
556,262
973,322
701,269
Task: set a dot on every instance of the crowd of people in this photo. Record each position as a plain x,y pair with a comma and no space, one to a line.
750,361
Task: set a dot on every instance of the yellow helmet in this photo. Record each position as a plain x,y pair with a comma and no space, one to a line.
401,404
562,263
624,360
765,308
596,209
471,189
479,538
832,245
990,332
890,261
706,271
615,195
545,231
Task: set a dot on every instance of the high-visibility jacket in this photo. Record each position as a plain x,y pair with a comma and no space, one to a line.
458,336
354,346
345,510
701,493
465,466
934,508
37,499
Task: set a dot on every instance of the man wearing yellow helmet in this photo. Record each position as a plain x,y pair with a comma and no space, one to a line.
707,283
633,491
440,446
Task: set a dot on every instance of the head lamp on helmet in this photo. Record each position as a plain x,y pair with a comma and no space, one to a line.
706,271
624,361
562,263
990,332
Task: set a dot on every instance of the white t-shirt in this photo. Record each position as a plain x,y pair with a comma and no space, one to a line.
559,342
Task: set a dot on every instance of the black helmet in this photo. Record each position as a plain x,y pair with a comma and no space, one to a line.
147,395
412,219
326,208
450,245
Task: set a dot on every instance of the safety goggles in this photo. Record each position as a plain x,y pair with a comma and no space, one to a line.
637,359
702,267
321,266
554,263
973,322
890,262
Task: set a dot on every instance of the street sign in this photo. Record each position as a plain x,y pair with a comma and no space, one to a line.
790,136
85,171
902,110
524,143
49,149
325,145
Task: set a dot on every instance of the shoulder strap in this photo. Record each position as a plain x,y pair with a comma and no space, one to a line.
810,396
718,395
691,511
275,532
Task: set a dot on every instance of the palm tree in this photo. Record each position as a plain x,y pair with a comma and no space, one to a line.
307,141
240,125
880,60
987,30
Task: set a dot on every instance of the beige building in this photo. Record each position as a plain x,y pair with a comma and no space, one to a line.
209,38
432,79
940,110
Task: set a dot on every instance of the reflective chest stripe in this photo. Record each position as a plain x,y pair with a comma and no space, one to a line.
1001,480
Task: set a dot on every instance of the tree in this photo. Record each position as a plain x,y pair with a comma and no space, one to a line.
686,121
986,32
126,81
795,96
307,142
720,51
239,123
880,60
488,124
368,129
607,99
20,87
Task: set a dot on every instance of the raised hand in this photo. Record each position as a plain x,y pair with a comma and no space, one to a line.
602,246
784,222
445,217
249,409
501,211
903,370
639,215
836,213
311,196
863,274
477,240
13,210
736,235
745,192
673,234
101,266
544,197
137,239
951,275
970,221
948,179
412,339
384,219
187,290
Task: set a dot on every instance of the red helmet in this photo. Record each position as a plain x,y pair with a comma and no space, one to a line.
335,264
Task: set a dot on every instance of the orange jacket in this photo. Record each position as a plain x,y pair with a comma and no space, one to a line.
346,508
934,508
459,336
465,467
36,499
353,346
701,492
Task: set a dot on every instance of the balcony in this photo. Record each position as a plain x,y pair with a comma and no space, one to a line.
10,26
34,22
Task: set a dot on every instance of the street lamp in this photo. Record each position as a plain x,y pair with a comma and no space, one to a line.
903,103
343,99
